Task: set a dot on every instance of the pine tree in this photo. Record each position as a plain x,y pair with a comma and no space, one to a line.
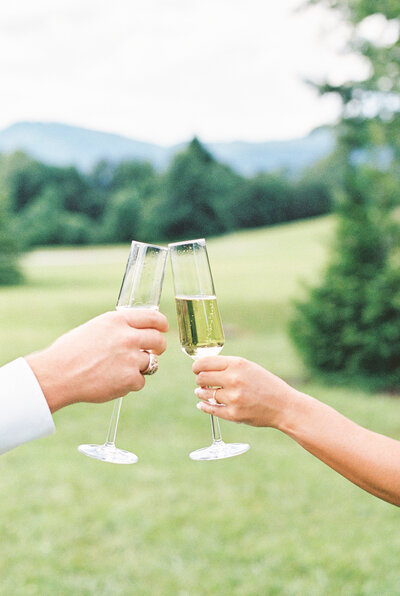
350,323
197,197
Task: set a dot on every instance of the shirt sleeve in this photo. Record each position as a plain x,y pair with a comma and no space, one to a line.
24,413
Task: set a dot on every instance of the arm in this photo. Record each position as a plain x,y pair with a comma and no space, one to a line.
95,362
257,397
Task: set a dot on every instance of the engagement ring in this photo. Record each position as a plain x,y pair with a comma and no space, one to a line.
213,400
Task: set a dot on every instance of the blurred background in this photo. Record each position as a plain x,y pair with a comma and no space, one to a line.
271,129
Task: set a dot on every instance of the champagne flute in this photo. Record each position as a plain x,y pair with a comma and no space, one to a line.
141,289
200,327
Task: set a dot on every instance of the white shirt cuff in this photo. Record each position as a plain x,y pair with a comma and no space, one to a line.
24,413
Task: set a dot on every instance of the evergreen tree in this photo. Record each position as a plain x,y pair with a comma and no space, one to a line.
350,324
197,198
122,217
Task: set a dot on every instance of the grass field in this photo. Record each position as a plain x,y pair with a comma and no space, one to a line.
274,521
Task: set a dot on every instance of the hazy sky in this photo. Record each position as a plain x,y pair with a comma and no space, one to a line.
163,70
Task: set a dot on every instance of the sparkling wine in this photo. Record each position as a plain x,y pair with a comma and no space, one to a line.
200,327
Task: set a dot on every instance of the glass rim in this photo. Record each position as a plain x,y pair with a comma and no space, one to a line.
149,245
196,241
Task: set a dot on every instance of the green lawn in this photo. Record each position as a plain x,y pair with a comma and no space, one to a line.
273,521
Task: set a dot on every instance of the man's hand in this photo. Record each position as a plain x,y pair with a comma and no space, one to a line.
101,359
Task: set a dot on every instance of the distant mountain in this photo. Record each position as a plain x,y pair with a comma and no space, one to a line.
60,144
294,155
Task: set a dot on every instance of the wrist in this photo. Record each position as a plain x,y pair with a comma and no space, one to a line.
48,375
293,411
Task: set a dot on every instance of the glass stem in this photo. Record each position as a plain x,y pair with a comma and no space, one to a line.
215,429
112,429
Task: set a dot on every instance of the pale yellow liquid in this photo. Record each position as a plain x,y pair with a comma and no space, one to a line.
200,327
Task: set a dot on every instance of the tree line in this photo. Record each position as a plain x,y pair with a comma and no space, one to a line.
348,326
196,196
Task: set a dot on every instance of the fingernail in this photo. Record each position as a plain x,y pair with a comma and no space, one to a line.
199,406
197,391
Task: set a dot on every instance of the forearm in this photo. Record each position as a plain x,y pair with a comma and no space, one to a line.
366,458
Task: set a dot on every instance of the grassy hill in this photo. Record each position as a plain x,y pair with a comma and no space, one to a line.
273,521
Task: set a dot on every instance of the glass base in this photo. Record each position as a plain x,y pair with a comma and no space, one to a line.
109,453
219,450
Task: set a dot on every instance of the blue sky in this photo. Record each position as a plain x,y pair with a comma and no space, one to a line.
164,70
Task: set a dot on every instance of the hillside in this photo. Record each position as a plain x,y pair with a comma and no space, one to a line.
60,144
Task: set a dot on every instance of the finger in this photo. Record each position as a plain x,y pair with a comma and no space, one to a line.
210,379
225,413
143,361
210,363
145,318
150,339
209,394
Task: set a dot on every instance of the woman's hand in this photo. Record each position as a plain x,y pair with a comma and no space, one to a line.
255,396
249,393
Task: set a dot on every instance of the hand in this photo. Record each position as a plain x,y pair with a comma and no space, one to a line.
249,393
100,360
253,395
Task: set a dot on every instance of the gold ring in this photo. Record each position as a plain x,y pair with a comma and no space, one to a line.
153,364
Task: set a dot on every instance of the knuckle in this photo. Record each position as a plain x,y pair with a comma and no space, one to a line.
116,316
232,412
108,318
136,381
162,344
132,338
238,364
153,317
236,396
140,383
131,380
135,361
200,379
165,322
236,414
155,339
235,378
